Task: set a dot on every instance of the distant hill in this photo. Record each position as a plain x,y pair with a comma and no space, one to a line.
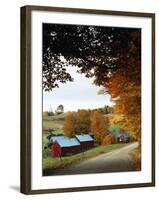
55,117
53,124
60,116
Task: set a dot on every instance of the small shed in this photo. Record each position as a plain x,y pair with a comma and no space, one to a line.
124,137
63,146
86,141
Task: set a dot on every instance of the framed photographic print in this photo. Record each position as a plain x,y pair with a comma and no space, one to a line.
87,99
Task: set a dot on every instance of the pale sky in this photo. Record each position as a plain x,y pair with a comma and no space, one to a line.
79,94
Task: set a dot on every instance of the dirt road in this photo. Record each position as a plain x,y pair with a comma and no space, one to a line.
115,161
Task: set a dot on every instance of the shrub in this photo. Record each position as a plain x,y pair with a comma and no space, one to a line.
114,140
107,139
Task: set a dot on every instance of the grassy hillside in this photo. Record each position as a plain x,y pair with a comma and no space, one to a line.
54,122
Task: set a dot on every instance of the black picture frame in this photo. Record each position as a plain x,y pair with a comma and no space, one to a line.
25,183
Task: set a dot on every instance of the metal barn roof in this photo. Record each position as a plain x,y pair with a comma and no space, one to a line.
64,141
55,138
84,138
68,142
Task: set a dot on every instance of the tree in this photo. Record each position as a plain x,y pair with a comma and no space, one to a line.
97,51
70,124
50,112
59,109
111,55
107,139
77,122
117,120
83,121
99,126
127,96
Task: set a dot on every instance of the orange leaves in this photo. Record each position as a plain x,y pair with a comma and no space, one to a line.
128,103
107,139
125,87
99,125
77,123
85,121
70,124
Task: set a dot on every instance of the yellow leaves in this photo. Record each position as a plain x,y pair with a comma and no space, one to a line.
118,119
124,85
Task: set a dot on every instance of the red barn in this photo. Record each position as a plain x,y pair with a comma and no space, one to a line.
63,146
86,141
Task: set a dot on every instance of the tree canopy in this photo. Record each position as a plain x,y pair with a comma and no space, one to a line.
59,109
111,55
97,51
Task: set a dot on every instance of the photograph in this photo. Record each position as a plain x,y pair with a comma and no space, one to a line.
87,99
91,99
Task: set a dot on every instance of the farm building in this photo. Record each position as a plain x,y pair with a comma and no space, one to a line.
86,141
54,138
122,137
63,146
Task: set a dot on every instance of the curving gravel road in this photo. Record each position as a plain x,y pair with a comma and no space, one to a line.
115,161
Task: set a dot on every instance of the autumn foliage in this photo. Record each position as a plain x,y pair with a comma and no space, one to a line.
85,121
125,88
99,126
107,139
77,123
112,56
70,124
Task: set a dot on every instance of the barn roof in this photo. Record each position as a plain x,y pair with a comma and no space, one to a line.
68,142
55,138
84,138
64,141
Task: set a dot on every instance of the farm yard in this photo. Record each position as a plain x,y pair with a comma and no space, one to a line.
53,165
50,163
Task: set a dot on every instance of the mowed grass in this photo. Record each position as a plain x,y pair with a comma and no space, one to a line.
50,162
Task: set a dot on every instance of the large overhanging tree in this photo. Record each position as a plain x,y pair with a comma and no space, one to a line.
111,55
96,51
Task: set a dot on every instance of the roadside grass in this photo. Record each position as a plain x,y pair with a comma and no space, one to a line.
53,163
136,156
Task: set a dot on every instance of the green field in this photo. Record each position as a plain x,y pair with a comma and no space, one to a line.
52,163
54,122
